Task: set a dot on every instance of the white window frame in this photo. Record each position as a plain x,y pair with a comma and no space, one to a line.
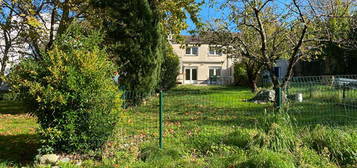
215,52
190,81
215,70
191,51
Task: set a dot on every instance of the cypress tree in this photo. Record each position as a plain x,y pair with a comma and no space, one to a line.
133,30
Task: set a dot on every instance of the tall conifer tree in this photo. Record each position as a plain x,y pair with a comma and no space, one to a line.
133,27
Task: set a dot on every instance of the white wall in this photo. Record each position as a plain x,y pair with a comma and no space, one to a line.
203,62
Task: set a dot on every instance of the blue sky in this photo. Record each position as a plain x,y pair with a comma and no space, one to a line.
206,14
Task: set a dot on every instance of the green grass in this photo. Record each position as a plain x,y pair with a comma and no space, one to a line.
324,104
18,140
198,119
200,130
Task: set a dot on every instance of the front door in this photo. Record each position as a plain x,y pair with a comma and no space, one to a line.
190,75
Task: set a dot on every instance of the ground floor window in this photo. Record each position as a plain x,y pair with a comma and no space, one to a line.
190,74
215,71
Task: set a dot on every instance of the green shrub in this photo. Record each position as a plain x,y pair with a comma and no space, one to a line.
240,75
169,68
264,158
339,146
10,96
71,92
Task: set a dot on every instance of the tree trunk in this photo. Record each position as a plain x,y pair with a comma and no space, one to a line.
252,77
253,85
5,56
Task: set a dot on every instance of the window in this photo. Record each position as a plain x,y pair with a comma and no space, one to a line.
192,51
215,71
190,75
215,51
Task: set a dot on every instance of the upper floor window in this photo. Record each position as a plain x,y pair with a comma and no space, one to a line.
192,51
215,51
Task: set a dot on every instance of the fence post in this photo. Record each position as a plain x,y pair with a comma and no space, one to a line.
161,113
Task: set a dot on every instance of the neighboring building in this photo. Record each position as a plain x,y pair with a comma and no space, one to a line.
20,48
202,63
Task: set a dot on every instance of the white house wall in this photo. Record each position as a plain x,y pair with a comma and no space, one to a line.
203,61
23,48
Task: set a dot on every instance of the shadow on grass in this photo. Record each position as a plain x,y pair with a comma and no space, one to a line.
11,107
18,149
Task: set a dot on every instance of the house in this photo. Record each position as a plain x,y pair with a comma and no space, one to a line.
202,63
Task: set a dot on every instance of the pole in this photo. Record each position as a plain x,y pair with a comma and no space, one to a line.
161,129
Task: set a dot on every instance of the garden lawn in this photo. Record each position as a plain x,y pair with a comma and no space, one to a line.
18,140
324,104
199,122
200,130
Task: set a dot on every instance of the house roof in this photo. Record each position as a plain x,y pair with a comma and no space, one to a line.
206,38
194,39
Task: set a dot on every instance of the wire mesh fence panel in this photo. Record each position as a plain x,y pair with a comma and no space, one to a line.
200,118
205,118
138,125
323,99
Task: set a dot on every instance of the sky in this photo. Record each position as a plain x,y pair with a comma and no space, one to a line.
207,14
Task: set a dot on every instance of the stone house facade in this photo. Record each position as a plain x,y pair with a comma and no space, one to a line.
202,63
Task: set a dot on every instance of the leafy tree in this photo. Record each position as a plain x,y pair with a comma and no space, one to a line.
267,31
71,92
12,45
174,15
333,23
43,21
247,70
335,16
169,68
246,73
136,31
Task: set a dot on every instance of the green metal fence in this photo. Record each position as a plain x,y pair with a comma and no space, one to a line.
179,116
212,114
325,99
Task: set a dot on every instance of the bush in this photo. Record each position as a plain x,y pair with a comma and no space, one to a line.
264,158
71,92
8,96
169,68
240,75
339,146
